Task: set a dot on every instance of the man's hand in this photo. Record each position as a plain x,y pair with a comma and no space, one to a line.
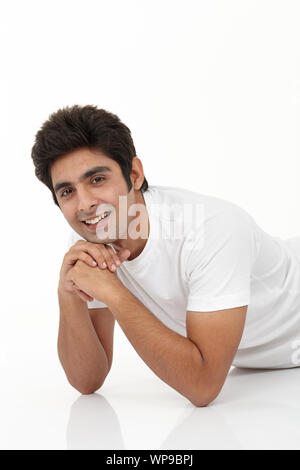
96,283
93,255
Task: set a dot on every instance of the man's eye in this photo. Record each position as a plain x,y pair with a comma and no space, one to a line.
63,193
98,178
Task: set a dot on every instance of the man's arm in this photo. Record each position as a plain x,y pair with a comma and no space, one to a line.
195,366
217,334
85,342
85,337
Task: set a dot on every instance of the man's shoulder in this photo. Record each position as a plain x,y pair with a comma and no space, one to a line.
184,206
173,194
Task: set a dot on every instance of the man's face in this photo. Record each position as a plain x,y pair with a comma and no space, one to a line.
86,184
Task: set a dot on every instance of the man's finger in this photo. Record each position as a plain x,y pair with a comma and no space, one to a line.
124,254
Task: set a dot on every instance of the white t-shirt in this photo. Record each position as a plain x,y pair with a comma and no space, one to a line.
204,254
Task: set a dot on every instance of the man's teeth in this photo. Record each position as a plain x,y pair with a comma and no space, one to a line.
97,219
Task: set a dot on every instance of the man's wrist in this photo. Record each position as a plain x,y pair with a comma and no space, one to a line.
115,293
70,299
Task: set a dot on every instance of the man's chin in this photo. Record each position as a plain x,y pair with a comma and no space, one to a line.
92,238
96,237
102,241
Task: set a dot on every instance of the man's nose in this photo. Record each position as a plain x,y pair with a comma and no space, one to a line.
86,201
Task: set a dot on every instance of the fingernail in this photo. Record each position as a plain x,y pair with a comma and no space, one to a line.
94,263
104,265
118,262
113,267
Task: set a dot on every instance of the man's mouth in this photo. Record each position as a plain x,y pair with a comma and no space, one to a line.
93,223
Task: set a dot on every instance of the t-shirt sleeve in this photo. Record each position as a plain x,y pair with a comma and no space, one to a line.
73,238
219,264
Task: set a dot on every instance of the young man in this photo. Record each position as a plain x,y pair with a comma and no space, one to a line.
195,284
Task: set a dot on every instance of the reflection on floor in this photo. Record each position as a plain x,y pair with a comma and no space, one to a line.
256,409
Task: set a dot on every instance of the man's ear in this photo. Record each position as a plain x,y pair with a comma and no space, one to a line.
137,173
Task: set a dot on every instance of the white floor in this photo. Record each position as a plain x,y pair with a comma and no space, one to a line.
257,409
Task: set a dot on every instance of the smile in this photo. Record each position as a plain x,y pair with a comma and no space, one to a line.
96,219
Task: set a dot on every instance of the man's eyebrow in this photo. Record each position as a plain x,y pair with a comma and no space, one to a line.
87,174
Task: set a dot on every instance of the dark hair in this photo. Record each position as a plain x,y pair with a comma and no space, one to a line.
72,128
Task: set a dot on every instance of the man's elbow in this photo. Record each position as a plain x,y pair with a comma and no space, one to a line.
201,399
87,388
200,403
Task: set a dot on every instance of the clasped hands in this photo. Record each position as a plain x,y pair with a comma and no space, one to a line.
90,270
95,282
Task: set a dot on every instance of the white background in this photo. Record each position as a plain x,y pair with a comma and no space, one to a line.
211,92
